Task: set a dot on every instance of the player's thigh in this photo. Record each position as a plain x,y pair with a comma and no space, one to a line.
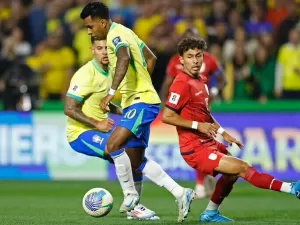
92,143
137,119
204,159
232,166
118,138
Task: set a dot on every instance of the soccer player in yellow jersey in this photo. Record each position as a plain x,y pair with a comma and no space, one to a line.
131,63
88,127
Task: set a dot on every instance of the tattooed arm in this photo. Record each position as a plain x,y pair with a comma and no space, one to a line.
73,110
123,59
150,59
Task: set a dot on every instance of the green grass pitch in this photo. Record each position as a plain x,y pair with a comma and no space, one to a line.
55,203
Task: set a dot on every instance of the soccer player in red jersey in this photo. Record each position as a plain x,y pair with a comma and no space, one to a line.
211,73
187,109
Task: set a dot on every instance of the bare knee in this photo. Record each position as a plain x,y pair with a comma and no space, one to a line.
136,174
112,146
244,167
135,165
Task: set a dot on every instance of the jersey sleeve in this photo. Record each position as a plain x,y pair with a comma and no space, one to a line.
80,86
117,40
171,68
178,96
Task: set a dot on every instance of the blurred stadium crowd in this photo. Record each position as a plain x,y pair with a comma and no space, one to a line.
257,42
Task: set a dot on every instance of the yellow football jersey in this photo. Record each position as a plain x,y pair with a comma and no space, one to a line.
136,86
89,85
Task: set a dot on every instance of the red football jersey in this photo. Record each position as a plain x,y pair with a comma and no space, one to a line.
189,98
209,67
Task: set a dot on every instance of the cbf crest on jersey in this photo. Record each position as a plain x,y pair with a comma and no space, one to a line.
116,41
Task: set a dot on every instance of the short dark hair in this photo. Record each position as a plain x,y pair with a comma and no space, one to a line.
95,38
95,10
191,43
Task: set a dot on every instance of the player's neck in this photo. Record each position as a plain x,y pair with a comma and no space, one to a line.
110,22
102,66
189,74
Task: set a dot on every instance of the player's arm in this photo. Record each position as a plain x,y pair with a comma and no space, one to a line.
73,109
227,137
80,89
123,59
177,100
169,116
150,58
115,109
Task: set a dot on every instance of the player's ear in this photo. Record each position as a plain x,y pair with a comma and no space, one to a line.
181,59
104,23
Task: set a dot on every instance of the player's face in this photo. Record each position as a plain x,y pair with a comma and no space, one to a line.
96,27
192,61
99,50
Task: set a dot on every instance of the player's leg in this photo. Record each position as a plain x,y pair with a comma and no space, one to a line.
209,184
157,175
205,185
152,170
223,188
199,188
116,141
234,166
139,212
131,125
92,143
205,158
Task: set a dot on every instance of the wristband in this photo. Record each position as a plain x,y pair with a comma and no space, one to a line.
195,125
221,130
112,92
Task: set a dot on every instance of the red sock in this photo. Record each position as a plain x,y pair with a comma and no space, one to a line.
200,177
222,190
262,180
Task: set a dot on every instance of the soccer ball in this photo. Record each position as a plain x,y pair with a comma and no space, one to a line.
97,202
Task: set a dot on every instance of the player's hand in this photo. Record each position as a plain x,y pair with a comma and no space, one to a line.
210,129
229,139
105,125
104,104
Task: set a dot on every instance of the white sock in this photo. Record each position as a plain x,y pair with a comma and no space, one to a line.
139,187
124,172
286,187
212,206
157,175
